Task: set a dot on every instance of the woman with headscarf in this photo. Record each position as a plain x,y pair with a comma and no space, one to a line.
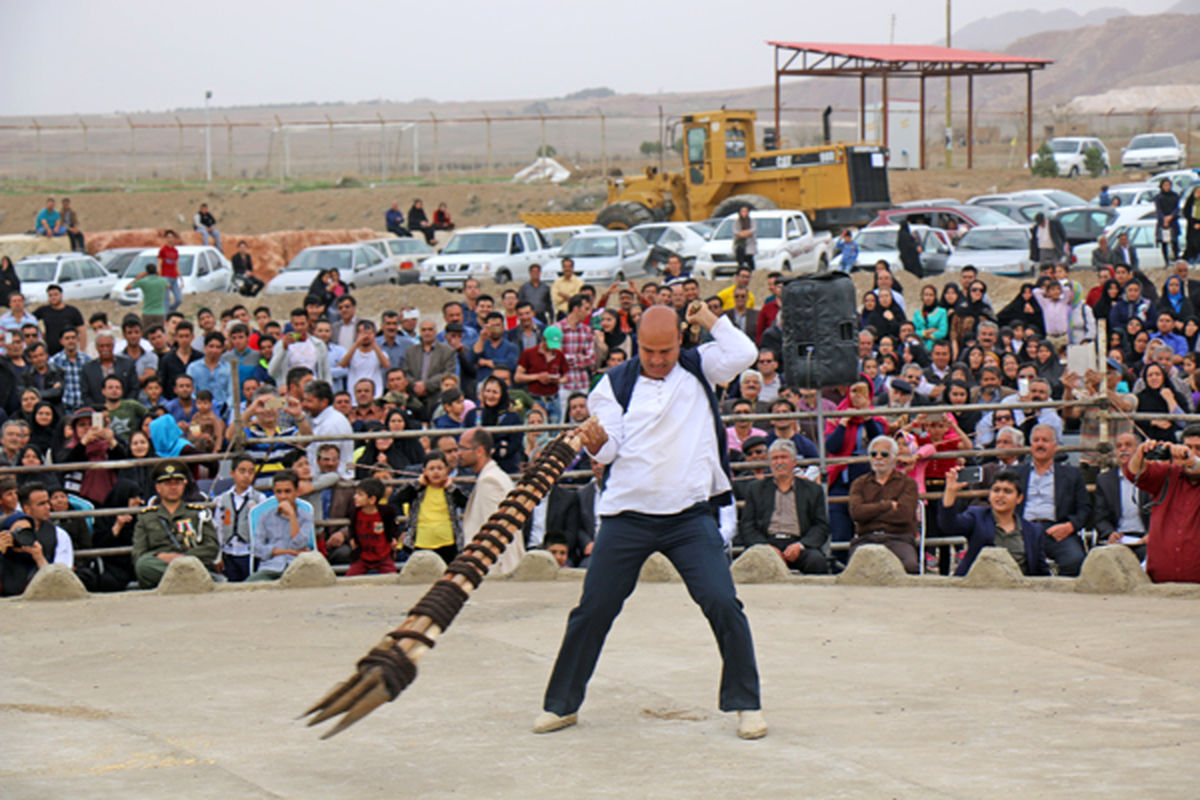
977,305
910,250
1191,222
1191,327
86,443
140,447
849,436
1138,355
31,456
44,427
113,573
1159,397
1025,309
390,455
610,337
869,304
10,282
493,410
887,317
930,320
1046,362
534,441
169,442
1174,301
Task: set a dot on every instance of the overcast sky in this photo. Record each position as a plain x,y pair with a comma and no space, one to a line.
93,56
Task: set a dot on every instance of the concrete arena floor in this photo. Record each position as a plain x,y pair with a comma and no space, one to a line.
888,692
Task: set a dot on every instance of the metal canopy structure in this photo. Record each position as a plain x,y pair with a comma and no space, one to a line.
809,59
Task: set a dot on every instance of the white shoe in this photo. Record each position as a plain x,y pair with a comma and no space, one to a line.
548,721
751,725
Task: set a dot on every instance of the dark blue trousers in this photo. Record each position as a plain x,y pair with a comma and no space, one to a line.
692,543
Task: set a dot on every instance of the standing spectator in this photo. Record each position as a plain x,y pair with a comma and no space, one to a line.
70,360
787,513
1047,240
537,294
345,327
441,219
232,516
847,250
883,505
745,237
366,360
1173,541
154,288
1056,499
213,373
390,340
10,281
1055,304
579,347
205,224
909,249
744,318
300,349
70,224
426,363
543,369
493,350
175,361
1121,511
1191,224
393,220
1166,220
528,330
107,364
168,267
491,486
566,286
741,280
17,318
372,531
419,223
40,374
319,417
56,316
48,222
996,524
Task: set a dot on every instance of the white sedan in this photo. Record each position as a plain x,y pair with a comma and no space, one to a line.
201,269
1153,151
879,244
358,265
406,255
682,238
998,249
80,276
603,257
1141,236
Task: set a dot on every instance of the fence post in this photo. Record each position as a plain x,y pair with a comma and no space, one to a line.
603,147
332,174
437,154
41,173
179,157
228,148
282,151
488,123
382,149
87,158
132,152
416,129
1188,142
542,152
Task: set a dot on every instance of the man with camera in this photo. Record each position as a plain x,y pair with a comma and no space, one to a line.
30,541
1170,473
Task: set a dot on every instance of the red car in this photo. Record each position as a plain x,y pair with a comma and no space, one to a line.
964,217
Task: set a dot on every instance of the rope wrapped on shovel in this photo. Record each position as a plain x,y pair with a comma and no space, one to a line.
390,666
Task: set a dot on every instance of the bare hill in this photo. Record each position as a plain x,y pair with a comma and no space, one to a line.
996,33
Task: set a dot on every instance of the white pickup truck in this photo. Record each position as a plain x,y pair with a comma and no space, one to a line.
501,253
786,243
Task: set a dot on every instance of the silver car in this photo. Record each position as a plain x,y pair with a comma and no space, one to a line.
879,244
358,265
603,257
998,249
201,269
682,238
80,276
406,255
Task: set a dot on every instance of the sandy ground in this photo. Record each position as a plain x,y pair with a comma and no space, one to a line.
888,692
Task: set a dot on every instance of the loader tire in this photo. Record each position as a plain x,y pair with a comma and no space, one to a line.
730,205
623,216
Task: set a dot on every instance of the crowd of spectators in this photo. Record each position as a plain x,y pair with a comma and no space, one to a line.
229,381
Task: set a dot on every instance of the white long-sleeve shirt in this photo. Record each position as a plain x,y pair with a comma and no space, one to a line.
663,449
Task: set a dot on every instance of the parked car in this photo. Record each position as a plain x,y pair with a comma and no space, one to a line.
1141,236
1130,194
998,249
502,253
358,265
1084,224
558,236
1069,153
1020,211
939,216
681,238
406,255
80,276
1051,198
1152,151
1182,180
879,244
603,257
786,243
201,269
118,258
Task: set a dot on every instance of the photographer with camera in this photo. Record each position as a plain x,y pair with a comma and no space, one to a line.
1170,473
27,537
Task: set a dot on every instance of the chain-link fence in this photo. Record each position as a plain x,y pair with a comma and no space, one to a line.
184,148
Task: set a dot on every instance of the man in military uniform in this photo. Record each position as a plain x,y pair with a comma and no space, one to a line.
171,528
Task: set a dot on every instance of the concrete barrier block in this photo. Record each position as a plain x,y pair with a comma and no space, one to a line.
873,565
759,564
536,565
423,566
306,571
1111,569
55,582
659,569
185,575
994,568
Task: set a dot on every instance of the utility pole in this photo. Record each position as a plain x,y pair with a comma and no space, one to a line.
949,118
207,140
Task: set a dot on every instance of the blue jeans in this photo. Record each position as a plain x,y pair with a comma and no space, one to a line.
174,294
216,235
692,543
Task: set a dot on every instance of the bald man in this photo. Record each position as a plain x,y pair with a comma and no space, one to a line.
658,428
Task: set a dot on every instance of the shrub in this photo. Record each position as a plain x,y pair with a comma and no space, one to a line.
1044,166
1093,162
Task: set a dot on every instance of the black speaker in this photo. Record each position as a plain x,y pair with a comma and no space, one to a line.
820,331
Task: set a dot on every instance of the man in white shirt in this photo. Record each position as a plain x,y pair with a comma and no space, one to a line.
658,428
315,415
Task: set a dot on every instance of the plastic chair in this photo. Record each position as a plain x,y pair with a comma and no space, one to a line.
266,507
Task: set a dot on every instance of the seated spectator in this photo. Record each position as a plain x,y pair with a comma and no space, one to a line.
786,428
996,524
1159,397
749,389
213,372
282,533
389,458
495,409
455,410
29,540
48,379
556,545
883,505
787,513
393,220
441,219
372,533
70,225
48,222
418,222
172,528
124,416
88,442
1055,497
206,428
1173,540
204,223
1120,510
741,430
115,572
435,507
183,407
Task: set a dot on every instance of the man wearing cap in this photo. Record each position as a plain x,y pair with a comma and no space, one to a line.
542,369
171,528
